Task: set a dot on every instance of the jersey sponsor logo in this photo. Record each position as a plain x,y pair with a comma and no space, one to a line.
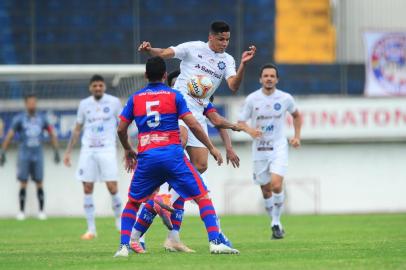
96,119
157,139
200,56
264,145
264,117
277,106
221,65
388,62
267,128
265,148
207,70
97,129
106,109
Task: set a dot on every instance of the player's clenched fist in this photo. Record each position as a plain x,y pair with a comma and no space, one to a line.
295,142
66,160
249,54
144,46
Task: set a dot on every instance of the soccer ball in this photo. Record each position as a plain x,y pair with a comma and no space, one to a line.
199,86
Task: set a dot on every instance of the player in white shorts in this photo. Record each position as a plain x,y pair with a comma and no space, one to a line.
203,58
98,117
267,109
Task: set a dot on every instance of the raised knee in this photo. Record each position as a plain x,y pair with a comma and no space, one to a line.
88,189
277,187
112,188
201,167
267,194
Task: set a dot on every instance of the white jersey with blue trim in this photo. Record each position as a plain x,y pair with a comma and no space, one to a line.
268,113
99,119
198,59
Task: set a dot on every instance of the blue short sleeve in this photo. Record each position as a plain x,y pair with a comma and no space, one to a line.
181,106
209,108
128,112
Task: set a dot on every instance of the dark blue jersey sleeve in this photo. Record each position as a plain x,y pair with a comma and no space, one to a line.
128,112
181,106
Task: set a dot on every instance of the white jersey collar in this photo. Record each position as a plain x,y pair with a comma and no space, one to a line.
100,100
271,95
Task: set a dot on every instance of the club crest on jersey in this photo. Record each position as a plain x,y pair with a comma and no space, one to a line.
221,65
277,106
106,109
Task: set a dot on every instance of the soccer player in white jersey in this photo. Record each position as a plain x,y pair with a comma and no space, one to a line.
267,108
203,58
98,117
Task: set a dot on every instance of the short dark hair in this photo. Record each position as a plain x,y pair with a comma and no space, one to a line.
29,95
155,68
269,66
219,27
172,76
96,78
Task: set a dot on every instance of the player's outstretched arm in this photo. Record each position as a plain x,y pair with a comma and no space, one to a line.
73,139
220,122
4,147
145,46
254,133
234,82
198,131
130,156
297,125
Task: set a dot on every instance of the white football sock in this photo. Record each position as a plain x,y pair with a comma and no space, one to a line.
278,199
269,206
116,205
142,238
136,235
174,235
89,212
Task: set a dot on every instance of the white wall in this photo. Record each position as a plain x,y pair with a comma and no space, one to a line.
327,178
352,17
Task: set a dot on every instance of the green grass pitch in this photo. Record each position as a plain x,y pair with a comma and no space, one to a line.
312,242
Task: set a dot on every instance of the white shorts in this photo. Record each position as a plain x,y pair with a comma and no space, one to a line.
191,138
97,166
277,164
197,110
